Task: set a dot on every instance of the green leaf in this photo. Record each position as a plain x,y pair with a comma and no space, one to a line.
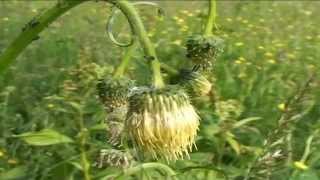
245,121
306,175
15,173
233,143
44,137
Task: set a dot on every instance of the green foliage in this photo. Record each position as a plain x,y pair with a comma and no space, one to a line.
44,137
260,91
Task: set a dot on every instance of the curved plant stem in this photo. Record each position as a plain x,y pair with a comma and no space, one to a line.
211,20
31,30
138,29
119,72
145,166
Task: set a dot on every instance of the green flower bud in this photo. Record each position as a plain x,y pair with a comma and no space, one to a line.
162,122
196,84
114,158
114,121
113,93
203,50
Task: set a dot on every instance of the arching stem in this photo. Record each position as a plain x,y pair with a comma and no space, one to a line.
211,20
31,30
120,70
138,28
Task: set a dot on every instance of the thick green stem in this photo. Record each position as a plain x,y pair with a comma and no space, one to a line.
138,28
31,31
83,154
211,20
119,72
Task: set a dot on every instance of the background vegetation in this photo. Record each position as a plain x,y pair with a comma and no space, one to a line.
264,117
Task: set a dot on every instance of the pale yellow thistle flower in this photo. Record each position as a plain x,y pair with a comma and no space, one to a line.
162,122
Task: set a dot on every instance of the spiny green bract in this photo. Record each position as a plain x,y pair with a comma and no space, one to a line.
162,122
114,158
203,50
113,92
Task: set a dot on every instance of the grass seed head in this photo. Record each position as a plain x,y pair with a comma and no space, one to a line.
162,122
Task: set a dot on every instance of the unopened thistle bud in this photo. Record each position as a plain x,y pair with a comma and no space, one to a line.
114,95
162,122
203,50
196,84
113,92
114,158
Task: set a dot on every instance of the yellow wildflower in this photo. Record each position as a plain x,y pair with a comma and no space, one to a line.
279,45
308,37
300,165
239,44
190,14
177,42
291,56
50,106
242,58
271,61
245,21
12,161
282,106
308,13
1,153
268,54
238,62
229,19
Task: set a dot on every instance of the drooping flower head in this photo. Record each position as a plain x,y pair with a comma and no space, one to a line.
162,122
196,83
203,50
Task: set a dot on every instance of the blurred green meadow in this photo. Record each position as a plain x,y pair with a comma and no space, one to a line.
266,75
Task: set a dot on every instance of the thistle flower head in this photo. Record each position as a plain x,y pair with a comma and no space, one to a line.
113,92
202,50
196,84
162,122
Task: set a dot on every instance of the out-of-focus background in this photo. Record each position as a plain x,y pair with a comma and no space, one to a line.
270,60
